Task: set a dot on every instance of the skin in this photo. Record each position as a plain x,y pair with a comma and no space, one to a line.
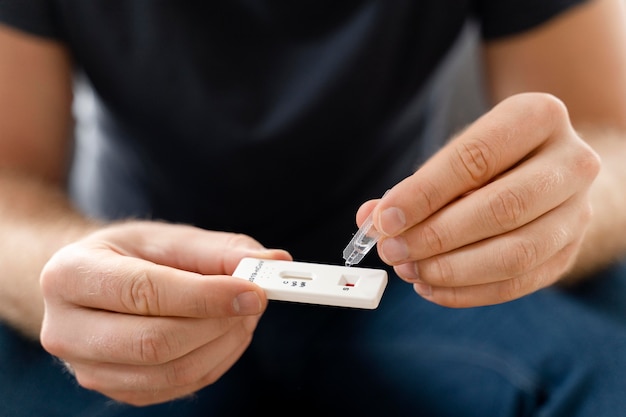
517,201
130,305
531,193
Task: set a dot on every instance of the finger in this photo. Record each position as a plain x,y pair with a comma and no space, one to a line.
365,209
520,196
502,291
509,255
185,247
128,339
134,286
142,385
493,144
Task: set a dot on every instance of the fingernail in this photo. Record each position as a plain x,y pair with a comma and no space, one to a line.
259,253
395,249
392,221
264,253
408,271
422,289
247,303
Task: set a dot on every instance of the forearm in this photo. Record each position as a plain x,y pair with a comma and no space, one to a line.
605,240
35,221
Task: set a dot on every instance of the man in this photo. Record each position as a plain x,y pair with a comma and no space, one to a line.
223,129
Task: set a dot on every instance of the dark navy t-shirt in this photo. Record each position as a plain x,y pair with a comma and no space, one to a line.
272,118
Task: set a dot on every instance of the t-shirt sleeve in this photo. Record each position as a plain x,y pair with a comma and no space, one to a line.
499,18
33,16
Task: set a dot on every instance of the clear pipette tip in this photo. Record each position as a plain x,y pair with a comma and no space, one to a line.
363,240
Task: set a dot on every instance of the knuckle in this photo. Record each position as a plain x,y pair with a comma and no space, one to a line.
141,294
451,297
183,373
438,271
547,181
476,159
543,110
236,240
559,238
89,381
48,277
552,106
151,346
454,299
65,262
52,342
546,108
201,306
511,289
507,208
428,194
190,373
135,388
432,238
520,256
587,162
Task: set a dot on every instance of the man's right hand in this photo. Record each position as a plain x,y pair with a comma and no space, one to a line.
146,312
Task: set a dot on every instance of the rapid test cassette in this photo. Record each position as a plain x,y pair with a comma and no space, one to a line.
312,283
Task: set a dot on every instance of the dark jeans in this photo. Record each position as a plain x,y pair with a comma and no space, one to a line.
554,353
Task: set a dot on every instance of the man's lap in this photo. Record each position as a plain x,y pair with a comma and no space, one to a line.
553,353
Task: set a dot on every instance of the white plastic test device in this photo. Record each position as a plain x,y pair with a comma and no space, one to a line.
314,283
